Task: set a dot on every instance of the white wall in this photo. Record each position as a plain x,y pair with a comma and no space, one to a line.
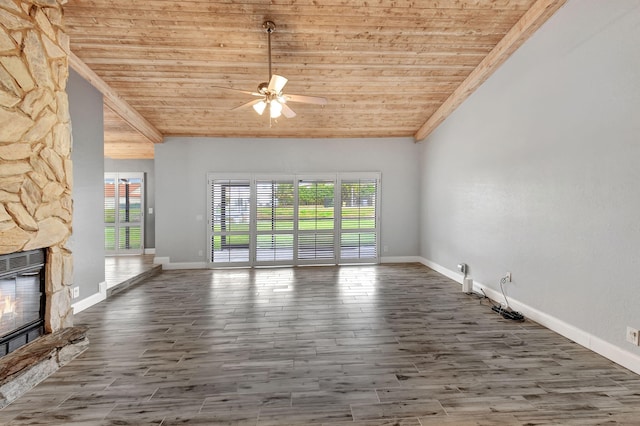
537,173
87,239
181,166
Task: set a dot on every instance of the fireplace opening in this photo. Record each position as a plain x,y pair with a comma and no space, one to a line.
21,299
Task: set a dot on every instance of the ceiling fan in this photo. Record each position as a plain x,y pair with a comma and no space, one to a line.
270,94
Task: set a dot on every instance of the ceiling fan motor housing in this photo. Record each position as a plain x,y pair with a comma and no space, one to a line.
263,88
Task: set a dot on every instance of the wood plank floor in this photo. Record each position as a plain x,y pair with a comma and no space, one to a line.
362,345
120,269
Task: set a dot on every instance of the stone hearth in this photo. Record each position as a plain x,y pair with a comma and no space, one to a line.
29,365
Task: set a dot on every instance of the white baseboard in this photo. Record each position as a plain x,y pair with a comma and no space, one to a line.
168,265
161,260
456,276
94,299
150,251
606,349
183,265
400,259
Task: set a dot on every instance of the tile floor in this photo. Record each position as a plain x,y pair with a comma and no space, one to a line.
362,345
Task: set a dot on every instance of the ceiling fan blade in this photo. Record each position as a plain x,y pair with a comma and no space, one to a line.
247,105
246,92
287,112
306,99
277,83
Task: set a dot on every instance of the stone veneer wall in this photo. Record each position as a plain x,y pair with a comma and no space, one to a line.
35,144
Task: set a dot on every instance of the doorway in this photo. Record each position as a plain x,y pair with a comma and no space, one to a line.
123,213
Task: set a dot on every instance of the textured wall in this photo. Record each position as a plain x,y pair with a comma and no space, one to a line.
35,144
181,183
87,240
537,173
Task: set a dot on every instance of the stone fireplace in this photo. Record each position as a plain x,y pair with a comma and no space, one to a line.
36,181
21,299
35,146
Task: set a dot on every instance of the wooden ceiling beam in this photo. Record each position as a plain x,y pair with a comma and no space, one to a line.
515,37
115,102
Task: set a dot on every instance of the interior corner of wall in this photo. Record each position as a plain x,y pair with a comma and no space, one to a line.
94,299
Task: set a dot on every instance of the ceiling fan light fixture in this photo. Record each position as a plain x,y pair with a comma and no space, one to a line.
260,107
270,93
277,83
275,109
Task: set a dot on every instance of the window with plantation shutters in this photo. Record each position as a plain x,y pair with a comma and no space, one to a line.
358,218
274,220
110,212
124,213
260,220
316,220
229,221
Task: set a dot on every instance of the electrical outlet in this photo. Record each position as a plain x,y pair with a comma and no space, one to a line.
507,277
76,292
633,336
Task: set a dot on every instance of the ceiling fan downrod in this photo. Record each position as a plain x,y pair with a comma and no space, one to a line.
269,27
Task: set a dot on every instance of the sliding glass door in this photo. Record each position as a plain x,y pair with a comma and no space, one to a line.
229,221
358,218
124,213
266,220
316,224
274,220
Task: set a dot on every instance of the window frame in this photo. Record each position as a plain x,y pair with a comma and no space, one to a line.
120,224
349,177
336,233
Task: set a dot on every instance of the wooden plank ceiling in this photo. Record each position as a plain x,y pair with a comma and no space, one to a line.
387,67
